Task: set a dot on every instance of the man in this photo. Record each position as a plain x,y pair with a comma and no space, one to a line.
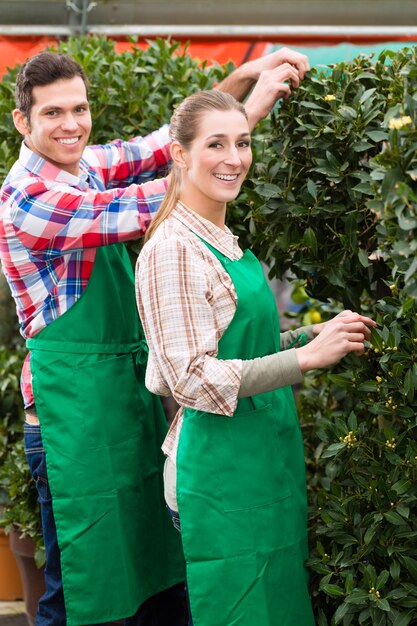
93,432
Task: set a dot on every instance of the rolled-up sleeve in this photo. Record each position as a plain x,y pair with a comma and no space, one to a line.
176,305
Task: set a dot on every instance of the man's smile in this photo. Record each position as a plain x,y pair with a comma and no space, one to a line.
67,140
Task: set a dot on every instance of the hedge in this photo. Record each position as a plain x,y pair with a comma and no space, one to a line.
335,204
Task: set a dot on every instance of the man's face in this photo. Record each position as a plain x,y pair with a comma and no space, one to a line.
60,123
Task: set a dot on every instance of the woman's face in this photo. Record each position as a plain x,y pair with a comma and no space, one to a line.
217,162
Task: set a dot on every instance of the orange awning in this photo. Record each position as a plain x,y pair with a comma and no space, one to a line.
16,49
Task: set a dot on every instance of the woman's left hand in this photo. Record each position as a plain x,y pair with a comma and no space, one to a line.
348,316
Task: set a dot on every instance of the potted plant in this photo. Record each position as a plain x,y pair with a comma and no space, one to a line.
10,583
19,514
21,520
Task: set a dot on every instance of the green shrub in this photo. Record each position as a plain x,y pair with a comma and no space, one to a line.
335,205
18,495
22,508
11,404
10,140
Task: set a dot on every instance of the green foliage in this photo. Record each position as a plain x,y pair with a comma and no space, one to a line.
9,327
134,93
362,462
11,406
309,208
17,491
336,205
395,196
9,138
22,510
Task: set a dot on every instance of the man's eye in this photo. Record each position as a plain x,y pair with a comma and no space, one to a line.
81,109
51,113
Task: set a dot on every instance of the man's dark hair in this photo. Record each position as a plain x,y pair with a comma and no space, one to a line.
43,69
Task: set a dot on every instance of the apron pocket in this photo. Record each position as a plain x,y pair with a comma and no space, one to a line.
249,460
109,392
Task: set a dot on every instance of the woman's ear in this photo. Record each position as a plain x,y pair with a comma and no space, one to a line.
178,154
21,122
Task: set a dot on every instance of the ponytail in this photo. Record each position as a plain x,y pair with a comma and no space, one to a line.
168,203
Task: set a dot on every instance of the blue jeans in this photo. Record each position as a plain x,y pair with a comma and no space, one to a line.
175,517
167,608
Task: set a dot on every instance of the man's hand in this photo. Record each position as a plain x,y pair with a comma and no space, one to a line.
271,85
254,69
239,82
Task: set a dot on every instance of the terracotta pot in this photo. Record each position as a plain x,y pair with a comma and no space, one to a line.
33,582
10,582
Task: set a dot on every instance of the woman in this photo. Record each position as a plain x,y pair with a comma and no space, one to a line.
235,461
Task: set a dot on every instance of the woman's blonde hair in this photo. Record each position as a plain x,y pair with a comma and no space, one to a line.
184,129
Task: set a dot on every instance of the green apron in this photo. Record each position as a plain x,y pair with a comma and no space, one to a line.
102,432
241,485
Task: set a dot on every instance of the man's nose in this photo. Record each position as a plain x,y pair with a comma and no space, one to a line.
69,122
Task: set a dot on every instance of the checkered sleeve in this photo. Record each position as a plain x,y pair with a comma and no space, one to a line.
175,301
51,218
121,163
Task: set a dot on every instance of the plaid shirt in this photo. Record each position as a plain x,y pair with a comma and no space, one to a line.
186,301
51,223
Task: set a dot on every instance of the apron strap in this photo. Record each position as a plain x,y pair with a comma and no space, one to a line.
88,348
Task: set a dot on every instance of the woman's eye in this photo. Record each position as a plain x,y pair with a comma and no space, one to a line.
215,145
244,144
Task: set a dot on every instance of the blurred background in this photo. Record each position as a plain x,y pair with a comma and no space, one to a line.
238,30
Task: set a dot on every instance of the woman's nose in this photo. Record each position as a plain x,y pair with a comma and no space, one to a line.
232,157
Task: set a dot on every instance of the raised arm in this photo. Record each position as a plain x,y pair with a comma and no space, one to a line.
51,218
273,76
138,160
241,80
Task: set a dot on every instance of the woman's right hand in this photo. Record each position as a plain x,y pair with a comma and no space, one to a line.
343,334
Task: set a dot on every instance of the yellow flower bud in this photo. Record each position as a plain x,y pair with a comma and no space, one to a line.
398,122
